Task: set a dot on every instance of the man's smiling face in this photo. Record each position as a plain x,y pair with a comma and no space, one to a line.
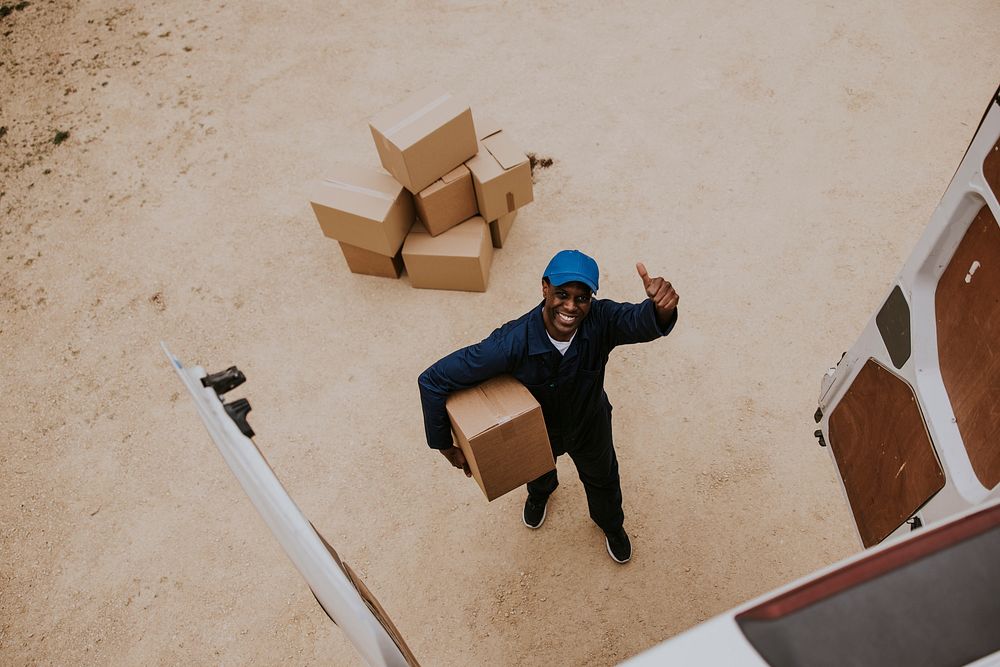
564,308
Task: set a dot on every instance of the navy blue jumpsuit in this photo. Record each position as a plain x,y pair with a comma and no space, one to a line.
569,388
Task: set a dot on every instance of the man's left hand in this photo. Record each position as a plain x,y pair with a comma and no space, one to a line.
661,292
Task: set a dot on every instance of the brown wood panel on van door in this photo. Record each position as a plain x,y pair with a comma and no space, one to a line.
967,304
883,452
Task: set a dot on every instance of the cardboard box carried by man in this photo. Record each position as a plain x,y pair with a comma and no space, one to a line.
499,427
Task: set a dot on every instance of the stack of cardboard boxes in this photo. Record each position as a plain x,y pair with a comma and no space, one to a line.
452,196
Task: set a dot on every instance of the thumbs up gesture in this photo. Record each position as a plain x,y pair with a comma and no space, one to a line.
661,292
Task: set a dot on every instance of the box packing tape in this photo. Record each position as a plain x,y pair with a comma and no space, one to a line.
501,415
361,190
418,114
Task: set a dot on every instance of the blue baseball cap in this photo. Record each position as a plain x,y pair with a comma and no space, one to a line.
572,266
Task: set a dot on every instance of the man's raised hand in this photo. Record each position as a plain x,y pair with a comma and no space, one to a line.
661,292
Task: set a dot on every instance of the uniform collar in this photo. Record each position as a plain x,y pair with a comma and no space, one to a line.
538,340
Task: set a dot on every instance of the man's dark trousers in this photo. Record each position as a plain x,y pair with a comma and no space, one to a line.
597,466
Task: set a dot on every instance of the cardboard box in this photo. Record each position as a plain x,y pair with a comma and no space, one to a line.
501,173
500,429
458,259
447,201
371,263
501,227
424,137
364,208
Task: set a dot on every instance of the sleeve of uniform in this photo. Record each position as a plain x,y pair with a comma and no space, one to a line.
629,323
461,369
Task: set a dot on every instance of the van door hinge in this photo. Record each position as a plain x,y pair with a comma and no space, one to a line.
225,381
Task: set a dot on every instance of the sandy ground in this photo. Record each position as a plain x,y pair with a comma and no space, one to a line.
776,161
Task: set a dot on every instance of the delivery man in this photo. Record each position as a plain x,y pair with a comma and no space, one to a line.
558,350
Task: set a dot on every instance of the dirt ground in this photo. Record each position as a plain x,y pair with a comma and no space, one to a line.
776,161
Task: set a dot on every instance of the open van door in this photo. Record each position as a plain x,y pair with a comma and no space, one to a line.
339,591
911,413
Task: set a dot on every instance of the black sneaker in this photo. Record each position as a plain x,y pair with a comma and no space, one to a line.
619,546
534,512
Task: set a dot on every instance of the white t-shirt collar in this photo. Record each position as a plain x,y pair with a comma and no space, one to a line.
561,345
